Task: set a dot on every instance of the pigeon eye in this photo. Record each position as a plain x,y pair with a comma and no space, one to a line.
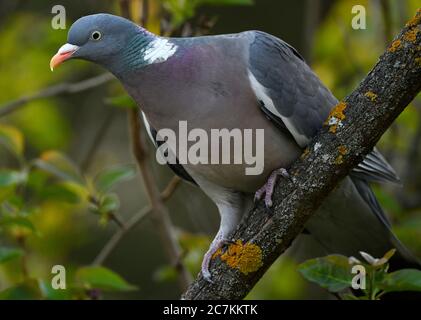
96,35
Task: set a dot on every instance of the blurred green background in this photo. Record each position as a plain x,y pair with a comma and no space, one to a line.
52,149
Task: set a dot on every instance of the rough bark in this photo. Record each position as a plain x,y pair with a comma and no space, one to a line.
351,131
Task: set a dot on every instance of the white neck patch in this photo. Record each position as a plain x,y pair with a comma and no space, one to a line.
159,50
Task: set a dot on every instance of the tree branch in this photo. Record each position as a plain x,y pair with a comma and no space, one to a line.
55,90
357,123
159,214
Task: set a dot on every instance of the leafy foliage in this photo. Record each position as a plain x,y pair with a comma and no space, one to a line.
7,254
109,178
13,139
183,10
52,177
331,272
102,278
334,273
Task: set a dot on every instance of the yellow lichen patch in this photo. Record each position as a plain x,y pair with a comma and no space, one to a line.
335,117
333,128
371,95
217,253
342,151
245,257
394,46
305,153
339,159
418,61
415,20
411,35
338,111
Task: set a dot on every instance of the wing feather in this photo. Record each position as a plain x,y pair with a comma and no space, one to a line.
177,168
292,94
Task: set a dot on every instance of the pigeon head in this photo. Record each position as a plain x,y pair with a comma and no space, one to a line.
111,41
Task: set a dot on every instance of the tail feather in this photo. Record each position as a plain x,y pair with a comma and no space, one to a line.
351,220
403,258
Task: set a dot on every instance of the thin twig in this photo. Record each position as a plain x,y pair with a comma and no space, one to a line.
118,221
55,90
24,259
160,212
121,232
170,188
134,221
387,20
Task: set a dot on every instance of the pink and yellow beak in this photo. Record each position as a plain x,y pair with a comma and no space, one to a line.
64,53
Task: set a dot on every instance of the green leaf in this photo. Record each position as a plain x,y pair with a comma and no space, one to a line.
107,179
11,178
103,279
60,193
385,259
109,203
28,290
7,254
402,280
332,272
165,274
12,139
17,221
60,166
348,296
121,101
54,294
389,254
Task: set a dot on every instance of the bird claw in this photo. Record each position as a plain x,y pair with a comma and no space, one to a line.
268,187
214,247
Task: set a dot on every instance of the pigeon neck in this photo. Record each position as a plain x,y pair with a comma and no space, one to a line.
142,50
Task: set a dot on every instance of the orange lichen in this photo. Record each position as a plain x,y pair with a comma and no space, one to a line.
305,153
246,257
340,158
333,128
335,117
415,20
395,46
217,253
342,150
411,35
371,95
338,111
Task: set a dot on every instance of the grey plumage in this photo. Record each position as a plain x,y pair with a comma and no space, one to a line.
249,80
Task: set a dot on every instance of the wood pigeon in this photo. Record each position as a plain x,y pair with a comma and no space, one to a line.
249,80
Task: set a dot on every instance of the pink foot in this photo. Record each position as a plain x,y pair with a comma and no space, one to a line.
268,187
215,245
